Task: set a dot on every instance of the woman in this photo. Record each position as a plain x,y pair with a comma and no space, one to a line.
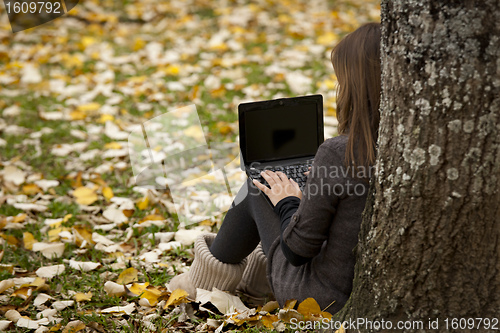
308,238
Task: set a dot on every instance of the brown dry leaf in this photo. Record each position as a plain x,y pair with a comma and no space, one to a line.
270,306
83,234
28,240
6,284
127,276
85,195
290,304
74,326
81,297
268,320
178,296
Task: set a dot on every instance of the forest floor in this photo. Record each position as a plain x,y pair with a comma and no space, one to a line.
83,246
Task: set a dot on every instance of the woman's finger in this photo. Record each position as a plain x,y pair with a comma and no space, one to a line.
261,186
272,178
281,176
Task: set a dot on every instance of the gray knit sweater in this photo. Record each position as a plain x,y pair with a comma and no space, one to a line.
325,228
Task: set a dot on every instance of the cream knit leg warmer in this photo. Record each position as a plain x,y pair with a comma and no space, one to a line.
254,283
208,272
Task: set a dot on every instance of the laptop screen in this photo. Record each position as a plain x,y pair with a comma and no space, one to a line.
278,131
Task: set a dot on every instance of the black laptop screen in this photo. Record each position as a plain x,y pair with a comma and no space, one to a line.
281,132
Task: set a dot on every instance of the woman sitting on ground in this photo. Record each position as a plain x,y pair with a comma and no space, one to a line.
308,239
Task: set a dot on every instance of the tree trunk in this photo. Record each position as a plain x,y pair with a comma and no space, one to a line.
430,240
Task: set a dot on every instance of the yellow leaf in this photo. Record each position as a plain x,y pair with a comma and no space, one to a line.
172,70
177,297
143,203
152,217
138,44
28,240
89,107
80,297
19,218
77,115
113,145
11,240
152,294
83,234
31,189
55,328
107,192
290,304
224,127
67,217
85,195
23,292
311,309
195,132
138,288
106,117
268,320
127,276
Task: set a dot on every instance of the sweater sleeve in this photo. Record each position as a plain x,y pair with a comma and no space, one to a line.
285,208
309,225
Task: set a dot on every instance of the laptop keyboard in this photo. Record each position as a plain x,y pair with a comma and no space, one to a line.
294,171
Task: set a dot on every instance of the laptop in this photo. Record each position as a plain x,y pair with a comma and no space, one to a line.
280,135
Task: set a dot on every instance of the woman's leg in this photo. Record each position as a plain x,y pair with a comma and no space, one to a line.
251,220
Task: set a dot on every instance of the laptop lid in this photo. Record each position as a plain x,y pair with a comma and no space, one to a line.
280,129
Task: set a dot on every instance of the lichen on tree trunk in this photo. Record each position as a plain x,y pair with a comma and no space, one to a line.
430,240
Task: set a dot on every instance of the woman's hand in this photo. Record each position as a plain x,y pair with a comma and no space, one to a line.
281,186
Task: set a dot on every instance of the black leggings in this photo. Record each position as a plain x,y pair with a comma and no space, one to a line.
250,220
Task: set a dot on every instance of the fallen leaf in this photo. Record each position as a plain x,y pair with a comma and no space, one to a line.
114,289
61,305
84,266
85,196
28,240
128,309
49,272
143,203
127,276
6,284
137,289
49,250
176,297
107,192
74,326
311,310
224,302
80,297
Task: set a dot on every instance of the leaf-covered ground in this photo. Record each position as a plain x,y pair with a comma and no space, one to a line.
82,248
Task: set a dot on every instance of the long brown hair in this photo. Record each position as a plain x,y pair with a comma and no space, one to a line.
356,61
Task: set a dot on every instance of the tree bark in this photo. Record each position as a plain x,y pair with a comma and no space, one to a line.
430,239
